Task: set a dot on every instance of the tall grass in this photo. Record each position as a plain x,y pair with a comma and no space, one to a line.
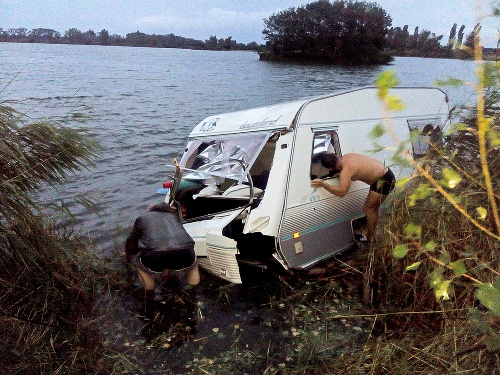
48,278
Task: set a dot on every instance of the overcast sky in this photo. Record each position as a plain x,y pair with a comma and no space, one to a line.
241,19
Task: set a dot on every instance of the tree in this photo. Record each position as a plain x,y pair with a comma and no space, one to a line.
89,37
211,43
413,40
452,37
103,37
74,36
116,40
460,38
343,32
253,46
470,40
18,34
138,39
44,36
229,43
397,39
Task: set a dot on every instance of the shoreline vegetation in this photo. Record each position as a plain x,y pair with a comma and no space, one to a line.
136,39
357,33
339,32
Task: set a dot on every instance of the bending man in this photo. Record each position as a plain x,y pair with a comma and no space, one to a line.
356,167
163,245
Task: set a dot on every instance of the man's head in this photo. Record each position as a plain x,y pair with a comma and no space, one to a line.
161,207
329,160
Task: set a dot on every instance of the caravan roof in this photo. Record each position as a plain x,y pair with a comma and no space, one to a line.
343,106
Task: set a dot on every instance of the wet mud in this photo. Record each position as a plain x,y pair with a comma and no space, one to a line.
273,320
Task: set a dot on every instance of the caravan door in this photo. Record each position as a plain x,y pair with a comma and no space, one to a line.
317,224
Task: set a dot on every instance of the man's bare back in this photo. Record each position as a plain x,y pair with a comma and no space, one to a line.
357,167
361,168
353,167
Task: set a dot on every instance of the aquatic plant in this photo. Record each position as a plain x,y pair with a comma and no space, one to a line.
48,277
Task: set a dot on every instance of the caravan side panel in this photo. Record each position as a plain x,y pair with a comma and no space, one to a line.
316,224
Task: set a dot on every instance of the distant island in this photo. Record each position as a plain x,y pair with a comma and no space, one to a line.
356,33
339,32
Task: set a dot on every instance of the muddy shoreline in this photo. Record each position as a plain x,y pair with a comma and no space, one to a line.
269,321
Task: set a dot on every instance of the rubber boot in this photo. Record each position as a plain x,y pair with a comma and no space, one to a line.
149,300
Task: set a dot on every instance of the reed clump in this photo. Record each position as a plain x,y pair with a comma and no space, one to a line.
436,266
48,277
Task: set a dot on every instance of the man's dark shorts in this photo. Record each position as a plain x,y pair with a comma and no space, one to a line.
172,259
385,184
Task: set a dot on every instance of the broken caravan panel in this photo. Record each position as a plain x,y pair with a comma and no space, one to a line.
226,166
250,198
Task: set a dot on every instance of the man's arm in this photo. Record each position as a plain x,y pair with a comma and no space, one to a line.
339,191
131,245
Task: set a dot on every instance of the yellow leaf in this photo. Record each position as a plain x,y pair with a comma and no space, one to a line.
481,212
441,289
451,178
413,267
394,103
385,81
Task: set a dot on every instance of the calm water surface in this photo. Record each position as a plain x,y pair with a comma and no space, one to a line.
141,104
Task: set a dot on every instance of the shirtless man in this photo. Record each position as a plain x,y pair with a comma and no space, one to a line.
356,167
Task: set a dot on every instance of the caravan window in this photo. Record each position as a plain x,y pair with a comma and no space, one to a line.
425,134
323,142
212,161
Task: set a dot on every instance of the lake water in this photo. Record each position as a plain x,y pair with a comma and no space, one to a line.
141,103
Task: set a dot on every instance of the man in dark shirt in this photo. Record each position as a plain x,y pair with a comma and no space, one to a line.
162,244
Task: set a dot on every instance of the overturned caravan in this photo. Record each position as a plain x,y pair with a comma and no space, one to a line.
244,182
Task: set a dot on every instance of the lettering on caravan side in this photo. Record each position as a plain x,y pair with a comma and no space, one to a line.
258,124
209,125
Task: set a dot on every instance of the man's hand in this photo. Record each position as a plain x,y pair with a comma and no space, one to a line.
317,183
339,191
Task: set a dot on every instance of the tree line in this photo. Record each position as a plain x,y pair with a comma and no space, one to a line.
427,44
136,39
340,32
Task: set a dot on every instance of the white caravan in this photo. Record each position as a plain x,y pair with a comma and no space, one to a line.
244,184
